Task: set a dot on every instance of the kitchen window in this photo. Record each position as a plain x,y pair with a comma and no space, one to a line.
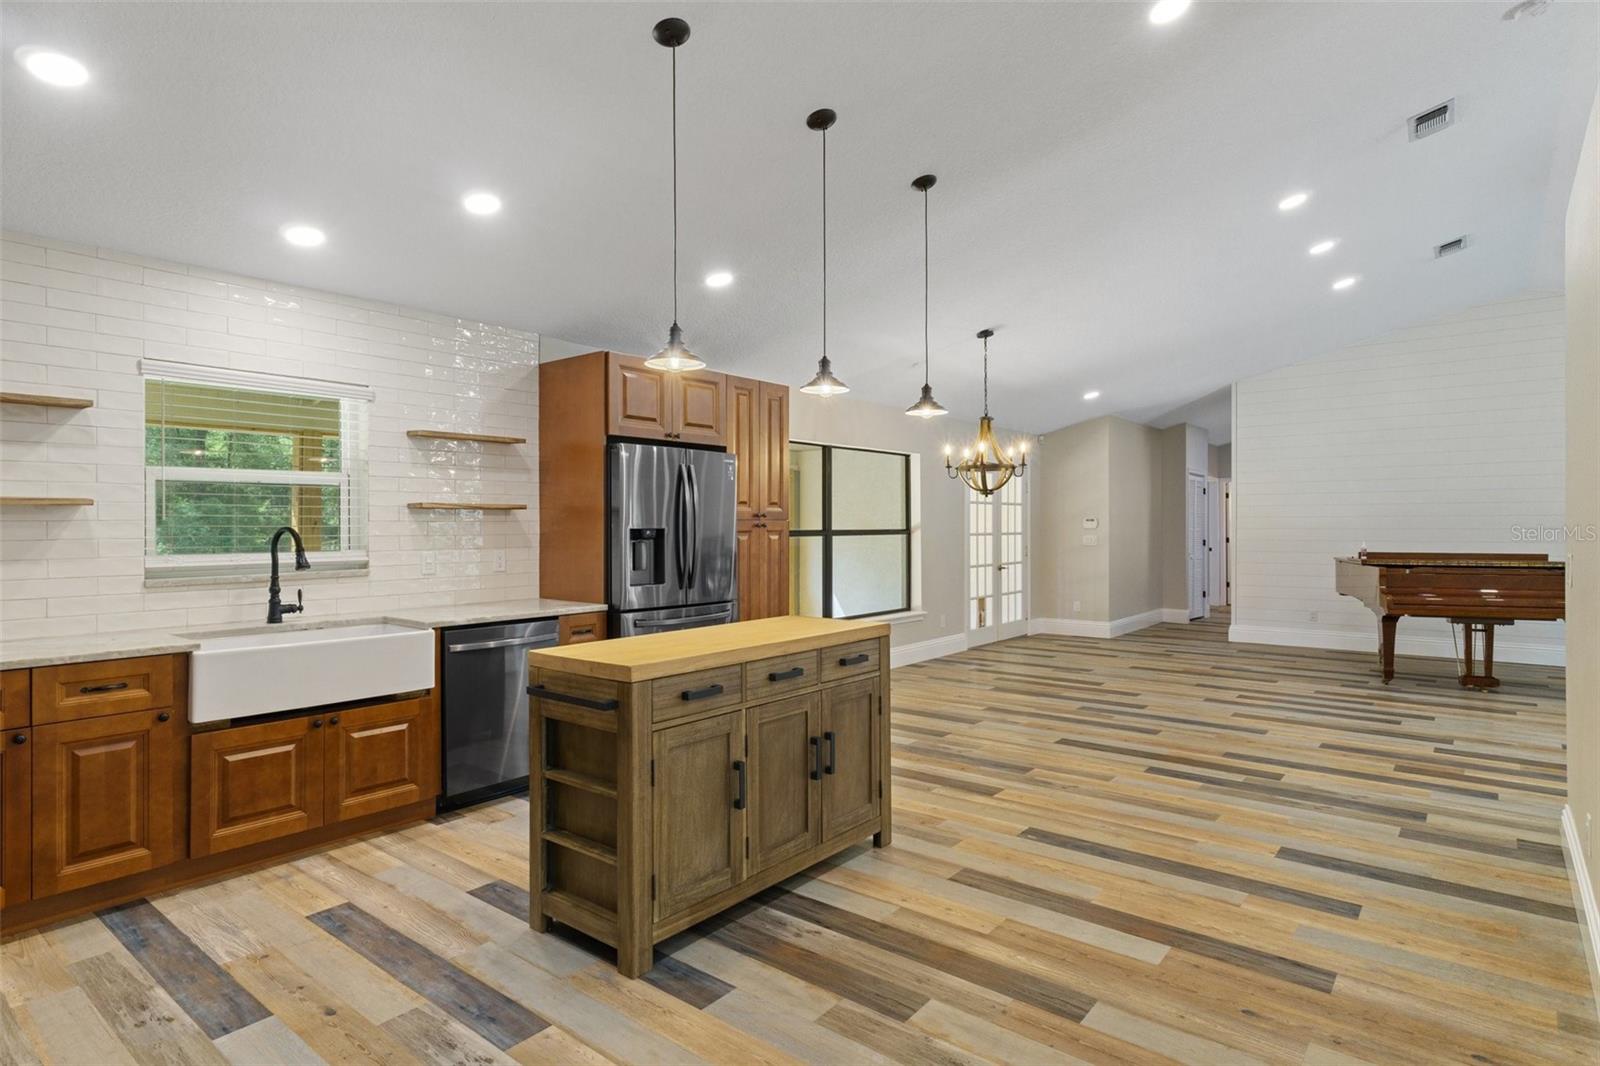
230,456
849,531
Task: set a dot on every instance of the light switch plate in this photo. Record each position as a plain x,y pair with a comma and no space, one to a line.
430,564
500,561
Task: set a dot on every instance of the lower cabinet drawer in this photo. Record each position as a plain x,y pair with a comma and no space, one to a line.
704,690
850,660
772,678
89,690
253,783
582,628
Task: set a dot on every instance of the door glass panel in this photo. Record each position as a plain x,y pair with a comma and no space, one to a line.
869,574
805,489
805,576
869,490
1010,590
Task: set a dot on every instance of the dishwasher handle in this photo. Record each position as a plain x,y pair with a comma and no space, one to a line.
508,642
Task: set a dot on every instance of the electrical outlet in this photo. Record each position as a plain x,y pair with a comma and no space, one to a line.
430,564
1091,540
1077,606
1312,616
500,561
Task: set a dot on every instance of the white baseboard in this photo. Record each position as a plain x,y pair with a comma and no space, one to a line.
1177,615
1583,899
1082,627
1505,651
923,650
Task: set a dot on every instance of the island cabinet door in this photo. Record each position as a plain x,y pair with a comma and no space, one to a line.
380,757
253,783
701,791
104,795
785,779
850,770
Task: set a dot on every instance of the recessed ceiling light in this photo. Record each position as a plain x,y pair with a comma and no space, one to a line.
1092,394
1322,247
303,236
53,68
1293,200
1344,283
1165,11
481,203
719,279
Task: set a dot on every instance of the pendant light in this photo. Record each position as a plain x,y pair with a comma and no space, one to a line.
675,357
824,383
926,406
985,467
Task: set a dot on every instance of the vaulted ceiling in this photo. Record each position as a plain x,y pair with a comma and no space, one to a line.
1107,195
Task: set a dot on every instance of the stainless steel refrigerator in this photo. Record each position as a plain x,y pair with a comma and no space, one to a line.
671,528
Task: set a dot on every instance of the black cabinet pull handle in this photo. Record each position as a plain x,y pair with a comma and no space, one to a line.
701,693
19,738
816,758
738,768
164,716
833,752
316,723
577,701
110,686
787,675
854,660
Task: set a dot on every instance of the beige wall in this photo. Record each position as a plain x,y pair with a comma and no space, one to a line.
1136,518
1074,484
1583,501
1174,547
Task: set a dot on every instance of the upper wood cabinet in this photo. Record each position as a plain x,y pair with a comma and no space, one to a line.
759,438
660,405
701,792
16,818
254,782
380,757
105,792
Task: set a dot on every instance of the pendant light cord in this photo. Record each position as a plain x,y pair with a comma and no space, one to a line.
674,184
824,243
924,288
986,377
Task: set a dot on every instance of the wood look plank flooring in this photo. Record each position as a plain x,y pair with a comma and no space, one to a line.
1160,848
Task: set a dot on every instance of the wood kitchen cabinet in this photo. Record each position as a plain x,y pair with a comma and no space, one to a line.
701,793
16,817
763,569
851,756
380,757
785,779
104,798
15,702
689,407
759,417
255,782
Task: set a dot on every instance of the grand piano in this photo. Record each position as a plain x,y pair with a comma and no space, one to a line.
1474,590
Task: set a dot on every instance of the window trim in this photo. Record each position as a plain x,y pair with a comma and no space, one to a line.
827,534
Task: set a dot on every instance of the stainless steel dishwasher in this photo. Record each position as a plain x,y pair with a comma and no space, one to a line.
484,731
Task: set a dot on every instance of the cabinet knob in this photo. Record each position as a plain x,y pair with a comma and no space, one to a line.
334,720
19,738
164,716
316,723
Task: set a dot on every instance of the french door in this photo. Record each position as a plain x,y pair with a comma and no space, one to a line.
997,585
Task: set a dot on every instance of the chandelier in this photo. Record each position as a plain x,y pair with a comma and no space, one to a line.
984,465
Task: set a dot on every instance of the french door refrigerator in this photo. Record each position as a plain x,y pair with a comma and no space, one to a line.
671,549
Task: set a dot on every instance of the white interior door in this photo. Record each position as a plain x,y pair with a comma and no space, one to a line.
1195,516
1215,594
997,551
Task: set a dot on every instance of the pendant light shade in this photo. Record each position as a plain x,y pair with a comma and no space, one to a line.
676,356
823,383
926,406
985,467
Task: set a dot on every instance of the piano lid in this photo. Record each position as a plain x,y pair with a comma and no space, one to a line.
1497,560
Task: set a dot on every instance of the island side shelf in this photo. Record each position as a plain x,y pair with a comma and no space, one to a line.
677,774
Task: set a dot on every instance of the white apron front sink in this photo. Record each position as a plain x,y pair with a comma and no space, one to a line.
237,675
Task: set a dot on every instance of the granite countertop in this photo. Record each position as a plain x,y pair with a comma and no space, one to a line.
21,654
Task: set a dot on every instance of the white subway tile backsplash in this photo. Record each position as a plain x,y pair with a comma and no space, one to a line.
76,320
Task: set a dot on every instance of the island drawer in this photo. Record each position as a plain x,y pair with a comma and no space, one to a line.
704,690
767,679
13,699
89,690
850,660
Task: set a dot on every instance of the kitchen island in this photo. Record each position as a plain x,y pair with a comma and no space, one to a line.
674,775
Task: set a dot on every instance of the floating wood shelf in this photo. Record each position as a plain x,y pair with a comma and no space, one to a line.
468,505
46,501
482,438
76,403
583,845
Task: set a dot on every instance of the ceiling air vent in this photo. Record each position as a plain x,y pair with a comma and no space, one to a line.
1449,247
1432,120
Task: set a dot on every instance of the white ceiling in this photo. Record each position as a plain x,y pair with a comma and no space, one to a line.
1107,189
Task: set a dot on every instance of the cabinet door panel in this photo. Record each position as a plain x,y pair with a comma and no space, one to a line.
749,571
773,499
638,399
744,441
104,791
774,571
380,757
254,783
785,779
701,400
699,833
850,751
16,817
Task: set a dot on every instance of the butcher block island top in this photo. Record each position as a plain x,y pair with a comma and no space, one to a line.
646,658
675,774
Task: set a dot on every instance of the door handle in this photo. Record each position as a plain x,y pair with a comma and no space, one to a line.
694,517
816,758
691,694
833,753
787,675
112,686
508,642
739,800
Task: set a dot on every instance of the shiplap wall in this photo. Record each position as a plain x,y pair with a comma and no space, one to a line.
1448,436
75,321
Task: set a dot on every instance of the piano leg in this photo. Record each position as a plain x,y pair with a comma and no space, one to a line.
1470,630
1386,627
